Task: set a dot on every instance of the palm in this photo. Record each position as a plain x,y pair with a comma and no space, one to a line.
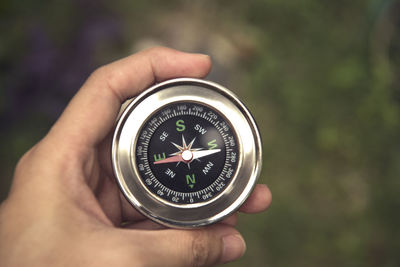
101,181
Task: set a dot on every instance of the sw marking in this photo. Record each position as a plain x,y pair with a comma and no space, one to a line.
200,129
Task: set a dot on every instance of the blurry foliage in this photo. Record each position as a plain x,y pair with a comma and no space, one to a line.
321,78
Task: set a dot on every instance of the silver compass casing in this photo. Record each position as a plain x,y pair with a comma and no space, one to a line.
126,136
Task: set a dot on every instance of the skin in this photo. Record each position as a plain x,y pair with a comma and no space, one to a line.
64,208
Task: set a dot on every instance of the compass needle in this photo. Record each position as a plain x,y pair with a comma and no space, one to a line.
176,158
191,143
188,138
203,153
177,146
183,142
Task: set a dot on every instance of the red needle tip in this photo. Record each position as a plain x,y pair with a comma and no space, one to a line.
176,158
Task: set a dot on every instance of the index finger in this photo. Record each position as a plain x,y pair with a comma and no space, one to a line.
92,112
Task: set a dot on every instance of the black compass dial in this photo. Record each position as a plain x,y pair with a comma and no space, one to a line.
186,153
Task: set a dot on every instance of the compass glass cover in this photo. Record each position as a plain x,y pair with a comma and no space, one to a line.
186,153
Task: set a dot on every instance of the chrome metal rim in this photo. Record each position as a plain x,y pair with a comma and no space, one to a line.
190,90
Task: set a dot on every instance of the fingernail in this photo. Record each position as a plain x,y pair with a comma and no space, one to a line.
234,248
203,55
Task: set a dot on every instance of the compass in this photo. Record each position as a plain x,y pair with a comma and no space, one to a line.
186,153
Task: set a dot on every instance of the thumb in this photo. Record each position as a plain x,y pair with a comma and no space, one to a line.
91,114
201,247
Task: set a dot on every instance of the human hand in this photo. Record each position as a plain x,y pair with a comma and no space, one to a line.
64,207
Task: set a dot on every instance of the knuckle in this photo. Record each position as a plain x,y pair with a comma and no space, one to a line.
199,249
158,54
156,50
110,77
97,73
23,161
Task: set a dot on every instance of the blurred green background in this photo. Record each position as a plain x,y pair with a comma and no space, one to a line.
320,77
